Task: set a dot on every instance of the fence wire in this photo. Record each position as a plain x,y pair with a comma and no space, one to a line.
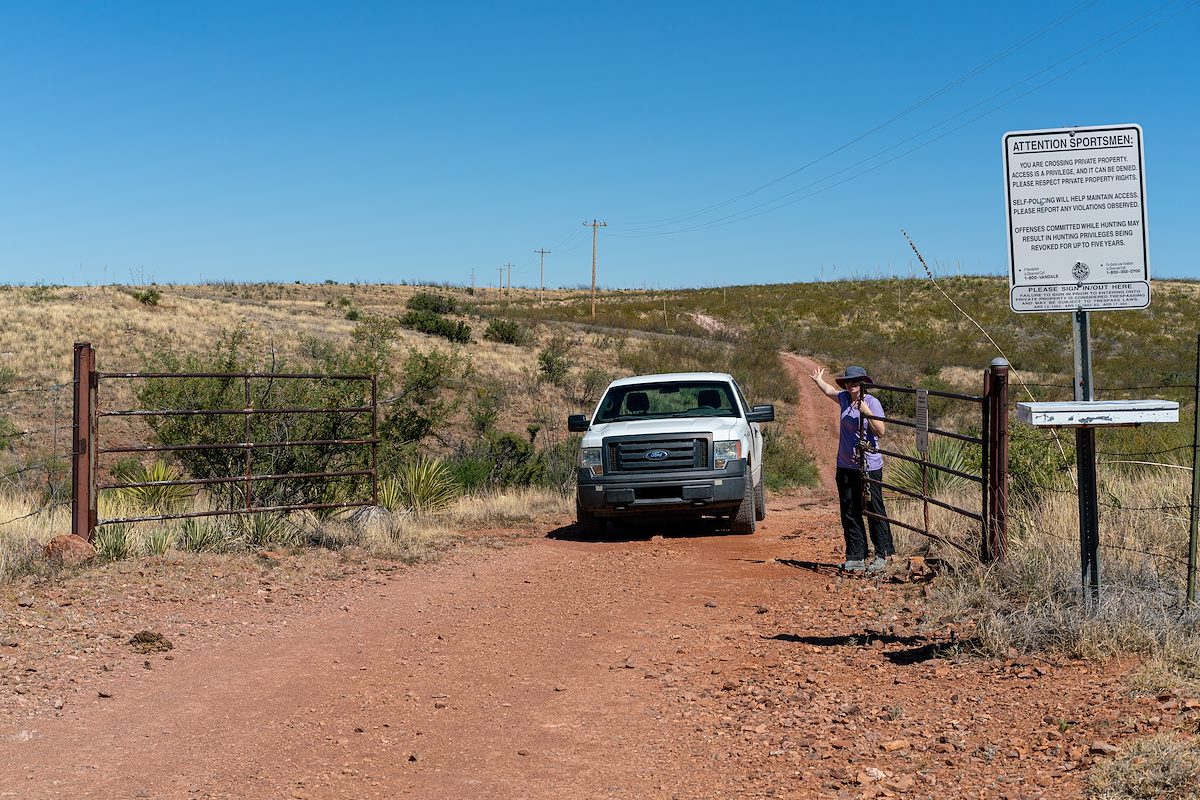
35,445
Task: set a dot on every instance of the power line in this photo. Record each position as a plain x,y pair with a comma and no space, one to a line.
913,107
782,201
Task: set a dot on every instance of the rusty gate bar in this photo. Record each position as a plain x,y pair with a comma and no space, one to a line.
993,482
931,465
210,481
197,412
83,453
225,512
161,448
86,450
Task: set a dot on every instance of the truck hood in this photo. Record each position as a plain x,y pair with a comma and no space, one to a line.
719,427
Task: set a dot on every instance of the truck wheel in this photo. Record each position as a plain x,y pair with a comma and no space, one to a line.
588,523
744,522
760,502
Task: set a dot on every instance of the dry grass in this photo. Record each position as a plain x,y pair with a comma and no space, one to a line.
407,537
1163,767
1033,602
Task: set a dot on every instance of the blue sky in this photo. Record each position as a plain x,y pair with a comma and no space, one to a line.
722,142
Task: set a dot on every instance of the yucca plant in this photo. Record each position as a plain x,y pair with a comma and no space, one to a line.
152,499
112,542
158,540
945,452
264,530
200,536
422,485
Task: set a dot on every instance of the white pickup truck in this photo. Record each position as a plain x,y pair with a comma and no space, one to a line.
681,444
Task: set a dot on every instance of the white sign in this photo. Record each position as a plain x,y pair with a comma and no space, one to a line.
1076,202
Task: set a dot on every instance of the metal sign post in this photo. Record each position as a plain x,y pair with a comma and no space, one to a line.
1085,460
1195,515
1075,199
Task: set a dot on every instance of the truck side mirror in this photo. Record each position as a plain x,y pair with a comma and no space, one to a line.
763,413
579,423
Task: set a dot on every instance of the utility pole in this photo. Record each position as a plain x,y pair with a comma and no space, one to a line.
472,282
509,265
542,274
594,225
500,290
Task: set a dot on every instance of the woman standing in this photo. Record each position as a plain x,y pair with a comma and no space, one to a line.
861,418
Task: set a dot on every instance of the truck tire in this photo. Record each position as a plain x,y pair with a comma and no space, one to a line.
588,523
745,521
760,502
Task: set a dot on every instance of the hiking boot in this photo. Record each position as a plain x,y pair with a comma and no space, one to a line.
878,564
853,566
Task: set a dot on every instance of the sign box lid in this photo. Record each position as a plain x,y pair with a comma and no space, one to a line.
1097,413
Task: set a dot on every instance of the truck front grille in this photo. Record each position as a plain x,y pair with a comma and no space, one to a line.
631,455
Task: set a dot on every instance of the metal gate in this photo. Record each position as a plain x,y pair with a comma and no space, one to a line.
88,445
993,476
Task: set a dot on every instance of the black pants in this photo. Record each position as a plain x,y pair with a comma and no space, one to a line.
850,498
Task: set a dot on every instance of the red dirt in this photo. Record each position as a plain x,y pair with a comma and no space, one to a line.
654,663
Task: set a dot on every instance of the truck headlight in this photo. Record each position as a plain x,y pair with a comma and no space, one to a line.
589,458
726,451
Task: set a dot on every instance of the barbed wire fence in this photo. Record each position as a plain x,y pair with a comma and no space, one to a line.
1145,477
36,444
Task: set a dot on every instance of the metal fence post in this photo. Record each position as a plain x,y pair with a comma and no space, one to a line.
1195,511
997,467
83,444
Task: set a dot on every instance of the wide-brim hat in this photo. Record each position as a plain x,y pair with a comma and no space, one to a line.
853,374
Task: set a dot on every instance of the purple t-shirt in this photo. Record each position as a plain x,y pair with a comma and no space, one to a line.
849,427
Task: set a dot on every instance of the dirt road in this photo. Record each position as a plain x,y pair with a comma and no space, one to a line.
654,663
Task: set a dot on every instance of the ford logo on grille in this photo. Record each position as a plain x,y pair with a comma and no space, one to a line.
657,455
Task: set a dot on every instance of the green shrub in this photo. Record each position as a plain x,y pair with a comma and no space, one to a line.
506,331
148,296
786,462
429,393
553,359
433,303
228,356
485,410
428,322
1035,461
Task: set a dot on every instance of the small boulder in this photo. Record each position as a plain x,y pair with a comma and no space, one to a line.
70,549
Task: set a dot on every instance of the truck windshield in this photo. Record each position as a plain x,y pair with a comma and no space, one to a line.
665,400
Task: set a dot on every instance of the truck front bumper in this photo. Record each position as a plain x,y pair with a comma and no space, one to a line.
695,492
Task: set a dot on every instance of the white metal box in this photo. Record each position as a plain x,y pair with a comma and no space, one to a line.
1097,413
